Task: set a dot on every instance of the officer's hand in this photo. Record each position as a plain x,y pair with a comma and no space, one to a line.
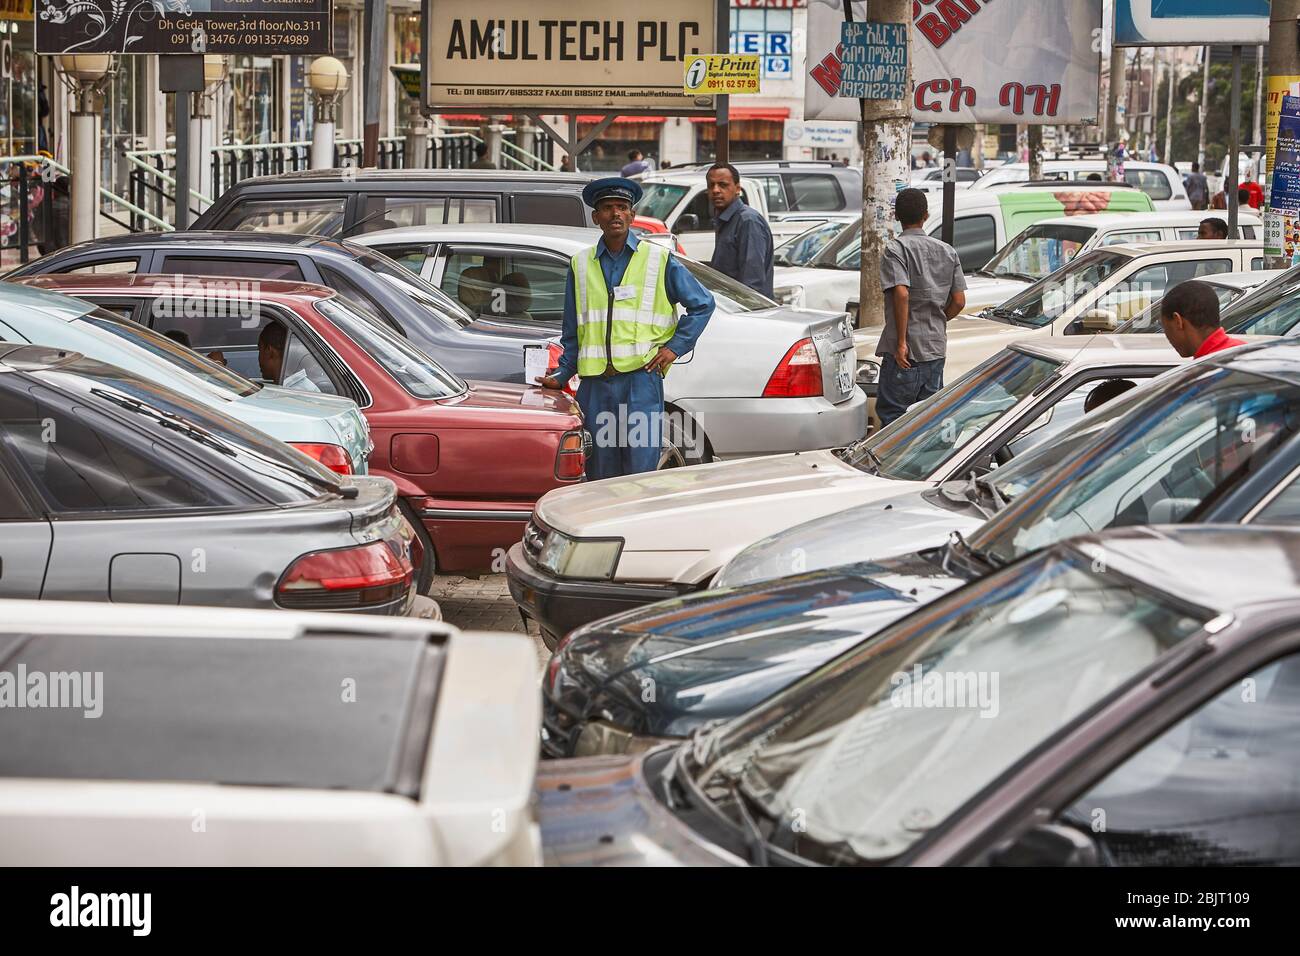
900,356
662,359
549,381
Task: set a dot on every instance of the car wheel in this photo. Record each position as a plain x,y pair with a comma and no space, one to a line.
682,444
429,566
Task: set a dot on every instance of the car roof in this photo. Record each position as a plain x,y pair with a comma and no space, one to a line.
1086,164
1102,350
22,296
1136,220
479,177
1225,568
1138,249
560,238
1277,358
145,283
1243,280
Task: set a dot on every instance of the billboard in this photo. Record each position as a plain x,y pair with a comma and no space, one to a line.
579,56
251,27
975,62
1191,22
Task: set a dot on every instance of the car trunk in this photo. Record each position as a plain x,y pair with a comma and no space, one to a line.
833,338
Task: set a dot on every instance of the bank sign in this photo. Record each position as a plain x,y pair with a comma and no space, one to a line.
577,56
252,27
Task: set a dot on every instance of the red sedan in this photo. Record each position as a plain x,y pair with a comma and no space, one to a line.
470,459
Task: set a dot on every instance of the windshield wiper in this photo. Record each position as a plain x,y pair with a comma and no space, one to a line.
755,842
958,543
972,494
1012,315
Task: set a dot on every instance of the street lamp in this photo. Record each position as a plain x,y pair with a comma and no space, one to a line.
202,136
84,74
328,79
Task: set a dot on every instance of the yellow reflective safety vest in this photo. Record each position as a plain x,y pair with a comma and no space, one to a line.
623,327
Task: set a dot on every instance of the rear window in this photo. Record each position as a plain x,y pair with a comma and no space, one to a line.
546,209
305,215
658,200
166,714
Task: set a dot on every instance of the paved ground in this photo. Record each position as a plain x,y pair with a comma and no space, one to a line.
483,605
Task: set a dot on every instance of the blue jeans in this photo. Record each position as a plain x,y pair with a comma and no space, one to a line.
900,387
624,414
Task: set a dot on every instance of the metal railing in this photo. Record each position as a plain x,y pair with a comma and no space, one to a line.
36,201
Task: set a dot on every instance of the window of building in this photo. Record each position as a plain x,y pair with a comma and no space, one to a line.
767,33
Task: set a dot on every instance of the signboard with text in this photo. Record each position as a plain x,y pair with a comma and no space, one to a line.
1282,225
720,73
579,56
875,61
255,27
974,62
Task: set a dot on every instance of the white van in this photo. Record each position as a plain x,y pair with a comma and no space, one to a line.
1161,182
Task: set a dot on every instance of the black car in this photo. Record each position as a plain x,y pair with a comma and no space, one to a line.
473,348
1141,710
342,203
1216,441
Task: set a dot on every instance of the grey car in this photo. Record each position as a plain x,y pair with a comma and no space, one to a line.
114,488
473,348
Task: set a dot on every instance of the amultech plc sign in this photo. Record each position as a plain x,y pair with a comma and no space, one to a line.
505,55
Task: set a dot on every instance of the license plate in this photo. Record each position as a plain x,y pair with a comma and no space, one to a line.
845,372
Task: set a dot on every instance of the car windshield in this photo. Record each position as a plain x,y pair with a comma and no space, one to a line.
1039,251
850,236
452,313
171,351
658,200
1051,296
803,248
1148,320
881,745
275,469
730,295
917,444
1190,439
1272,309
420,375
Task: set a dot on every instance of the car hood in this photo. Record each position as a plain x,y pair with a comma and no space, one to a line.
965,331
982,291
716,654
785,276
915,520
601,812
293,415
708,507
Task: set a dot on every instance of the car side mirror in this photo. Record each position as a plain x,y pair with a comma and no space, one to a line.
688,222
1048,844
1099,320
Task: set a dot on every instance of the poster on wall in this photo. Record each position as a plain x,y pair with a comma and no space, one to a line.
1282,225
1190,22
974,61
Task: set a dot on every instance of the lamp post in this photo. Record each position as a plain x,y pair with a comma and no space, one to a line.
84,75
328,79
201,127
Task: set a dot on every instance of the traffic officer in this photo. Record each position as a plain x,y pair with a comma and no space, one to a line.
621,332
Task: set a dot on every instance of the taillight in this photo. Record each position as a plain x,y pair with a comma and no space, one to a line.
374,574
333,457
570,460
799,374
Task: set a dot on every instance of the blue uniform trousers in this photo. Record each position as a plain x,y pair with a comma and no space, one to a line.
624,414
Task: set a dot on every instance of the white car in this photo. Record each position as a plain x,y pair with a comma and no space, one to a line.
931,180
762,378
1046,246
607,546
1161,182
679,199
220,737
1097,292
1229,287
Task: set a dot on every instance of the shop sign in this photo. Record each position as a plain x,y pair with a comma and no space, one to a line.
252,28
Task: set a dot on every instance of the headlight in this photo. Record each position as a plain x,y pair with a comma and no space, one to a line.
567,557
868,372
791,295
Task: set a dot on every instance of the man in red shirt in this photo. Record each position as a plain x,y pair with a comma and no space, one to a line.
1256,193
1189,314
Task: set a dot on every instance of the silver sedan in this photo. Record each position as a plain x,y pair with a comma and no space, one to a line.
763,378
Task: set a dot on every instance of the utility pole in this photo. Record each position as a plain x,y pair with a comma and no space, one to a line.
1205,103
1035,152
1258,131
1283,70
1168,155
886,160
1115,76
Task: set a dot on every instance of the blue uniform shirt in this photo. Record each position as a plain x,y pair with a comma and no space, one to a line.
683,289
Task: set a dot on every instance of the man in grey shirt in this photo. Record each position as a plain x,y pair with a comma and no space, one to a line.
743,248
1197,186
924,287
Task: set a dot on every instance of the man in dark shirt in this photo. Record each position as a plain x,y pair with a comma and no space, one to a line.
743,248
1198,188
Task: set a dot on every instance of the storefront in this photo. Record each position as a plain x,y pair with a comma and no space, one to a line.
756,132
609,151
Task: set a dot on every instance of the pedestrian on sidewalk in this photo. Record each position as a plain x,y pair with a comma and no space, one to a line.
924,288
1198,187
743,248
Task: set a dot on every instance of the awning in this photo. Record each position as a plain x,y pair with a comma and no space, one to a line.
597,117
738,113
